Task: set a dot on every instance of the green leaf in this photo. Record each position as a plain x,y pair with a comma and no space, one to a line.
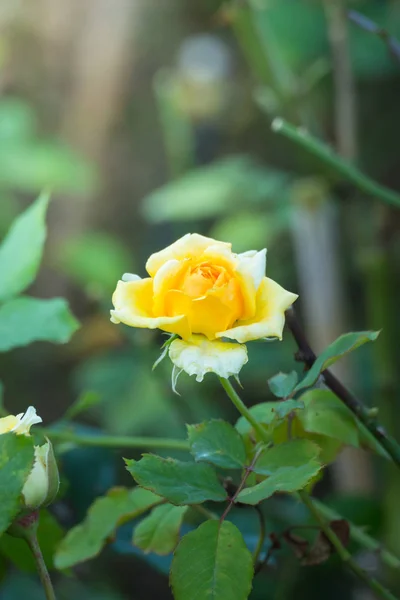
289,479
283,384
177,481
212,563
88,538
21,250
326,415
343,345
269,413
32,165
217,442
16,461
25,320
159,532
290,454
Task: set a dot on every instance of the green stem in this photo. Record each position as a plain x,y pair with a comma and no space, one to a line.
358,535
242,408
114,441
342,167
41,566
346,557
261,537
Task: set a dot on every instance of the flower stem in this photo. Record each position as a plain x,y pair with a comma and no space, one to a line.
113,441
346,557
41,566
330,158
242,408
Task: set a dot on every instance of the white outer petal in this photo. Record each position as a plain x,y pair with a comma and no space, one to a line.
199,356
26,421
130,277
37,485
253,263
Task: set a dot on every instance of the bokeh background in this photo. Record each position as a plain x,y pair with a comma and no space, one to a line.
149,119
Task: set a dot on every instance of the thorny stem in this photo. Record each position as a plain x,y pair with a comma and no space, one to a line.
346,170
346,557
247,471
369,26
41,566
357,408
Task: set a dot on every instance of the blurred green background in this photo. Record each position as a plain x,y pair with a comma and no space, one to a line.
152,119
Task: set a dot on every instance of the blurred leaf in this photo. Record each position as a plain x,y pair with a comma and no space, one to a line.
159,532
32,166
177,481
17,121
123,380
16,461
290,454
326,415
49,535
283,384
84,402
25,320
217,442
269,413
210,191
21,251
340,347
95,260
246,230
88,538
212,562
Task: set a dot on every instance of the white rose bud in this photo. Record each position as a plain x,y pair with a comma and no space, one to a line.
42,484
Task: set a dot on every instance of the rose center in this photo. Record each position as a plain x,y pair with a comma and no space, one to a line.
202,278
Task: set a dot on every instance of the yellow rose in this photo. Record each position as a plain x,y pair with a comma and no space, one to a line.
42,484
199,287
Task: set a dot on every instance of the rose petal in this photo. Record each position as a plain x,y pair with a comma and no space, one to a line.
133,303
271,302
191,245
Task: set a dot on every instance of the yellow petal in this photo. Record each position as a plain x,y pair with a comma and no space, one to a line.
191,245
164,280
199,356
271,302
133,302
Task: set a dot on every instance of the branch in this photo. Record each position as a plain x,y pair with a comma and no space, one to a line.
347,171
358,535
307,356
114,441
371,27
346,557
